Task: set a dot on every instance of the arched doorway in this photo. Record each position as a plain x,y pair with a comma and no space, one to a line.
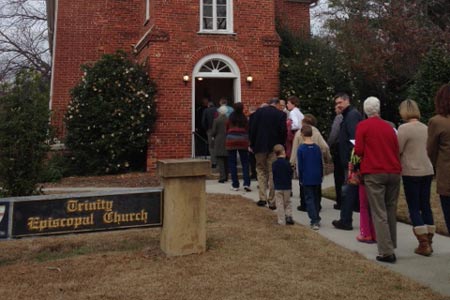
214,76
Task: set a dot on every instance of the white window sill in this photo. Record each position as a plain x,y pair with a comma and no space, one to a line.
217,32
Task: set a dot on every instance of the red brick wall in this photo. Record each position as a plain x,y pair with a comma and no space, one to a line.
88,29
85,31
254,22
293,15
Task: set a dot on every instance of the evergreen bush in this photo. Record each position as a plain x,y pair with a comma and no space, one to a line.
432,74
24,128
55,168
110,116
311,70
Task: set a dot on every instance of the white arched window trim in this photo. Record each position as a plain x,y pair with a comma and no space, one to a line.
235,73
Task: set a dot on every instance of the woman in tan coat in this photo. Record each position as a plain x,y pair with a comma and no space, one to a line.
417,174
438,147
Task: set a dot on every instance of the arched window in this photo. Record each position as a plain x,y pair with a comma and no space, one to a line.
215,66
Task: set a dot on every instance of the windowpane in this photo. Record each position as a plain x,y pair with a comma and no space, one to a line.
207,23
221,23
224,69
207,11
216,15
214,66
221,11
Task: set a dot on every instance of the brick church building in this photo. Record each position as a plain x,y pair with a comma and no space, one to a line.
193,49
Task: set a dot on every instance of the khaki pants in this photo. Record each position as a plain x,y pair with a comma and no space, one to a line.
382,192
284,207
265,179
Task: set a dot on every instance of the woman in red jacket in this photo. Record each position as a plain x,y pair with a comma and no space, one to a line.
377,145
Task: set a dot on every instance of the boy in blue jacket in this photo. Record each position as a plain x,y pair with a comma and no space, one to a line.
310,173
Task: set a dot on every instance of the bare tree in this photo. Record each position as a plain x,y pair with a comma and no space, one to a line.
23,37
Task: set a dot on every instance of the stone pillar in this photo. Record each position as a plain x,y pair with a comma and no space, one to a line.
184,218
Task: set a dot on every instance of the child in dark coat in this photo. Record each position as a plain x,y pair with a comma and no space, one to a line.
282,180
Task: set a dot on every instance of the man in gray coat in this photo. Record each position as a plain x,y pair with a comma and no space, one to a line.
338,170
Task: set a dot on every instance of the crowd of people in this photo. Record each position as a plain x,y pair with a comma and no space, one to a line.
371,158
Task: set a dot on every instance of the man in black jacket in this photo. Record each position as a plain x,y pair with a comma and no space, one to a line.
351,118
267,128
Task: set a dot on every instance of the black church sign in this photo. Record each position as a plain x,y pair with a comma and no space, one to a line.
73,213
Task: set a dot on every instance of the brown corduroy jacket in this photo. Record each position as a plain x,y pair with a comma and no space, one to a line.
438,148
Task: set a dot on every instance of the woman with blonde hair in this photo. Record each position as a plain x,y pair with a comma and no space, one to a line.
417,174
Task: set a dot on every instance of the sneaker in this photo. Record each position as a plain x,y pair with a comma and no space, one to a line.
235,189
261,203
337,206
289,221
247,189
272,207
339,225
315,226
365,239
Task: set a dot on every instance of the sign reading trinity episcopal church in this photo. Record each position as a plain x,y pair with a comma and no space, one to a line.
57,214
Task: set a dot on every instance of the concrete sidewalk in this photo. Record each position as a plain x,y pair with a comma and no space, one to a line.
433,271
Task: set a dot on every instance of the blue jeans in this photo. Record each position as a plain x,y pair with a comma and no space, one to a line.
311,202
445,203
318,197
232,163
417,193
350,196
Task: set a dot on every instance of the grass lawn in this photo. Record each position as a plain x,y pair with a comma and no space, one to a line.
402,209
248,257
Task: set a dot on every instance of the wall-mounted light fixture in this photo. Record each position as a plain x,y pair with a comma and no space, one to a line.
185,78
249,79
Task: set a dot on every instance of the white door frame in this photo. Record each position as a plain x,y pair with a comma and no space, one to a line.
235,74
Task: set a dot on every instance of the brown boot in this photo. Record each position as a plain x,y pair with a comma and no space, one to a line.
431,231
421,233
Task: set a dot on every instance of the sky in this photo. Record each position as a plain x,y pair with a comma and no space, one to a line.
317,20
